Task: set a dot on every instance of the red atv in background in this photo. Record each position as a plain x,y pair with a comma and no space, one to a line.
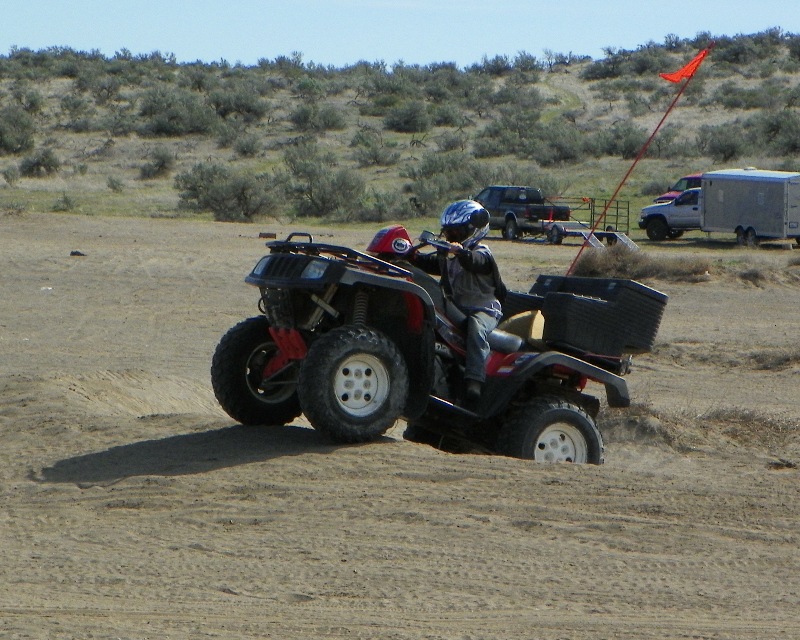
357,340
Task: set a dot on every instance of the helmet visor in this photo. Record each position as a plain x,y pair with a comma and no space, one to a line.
457,233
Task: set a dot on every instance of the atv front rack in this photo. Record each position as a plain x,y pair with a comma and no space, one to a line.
345,254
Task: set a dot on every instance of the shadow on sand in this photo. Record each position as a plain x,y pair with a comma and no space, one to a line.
185,454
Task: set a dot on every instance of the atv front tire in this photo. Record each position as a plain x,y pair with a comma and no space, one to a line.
549,429
238,382
353,384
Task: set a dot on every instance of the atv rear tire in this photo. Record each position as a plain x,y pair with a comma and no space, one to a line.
549,429
353,384
237,377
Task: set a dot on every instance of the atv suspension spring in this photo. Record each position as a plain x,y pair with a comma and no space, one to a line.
360,307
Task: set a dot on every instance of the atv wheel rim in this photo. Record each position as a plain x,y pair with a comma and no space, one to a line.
361,385
561,442
279,387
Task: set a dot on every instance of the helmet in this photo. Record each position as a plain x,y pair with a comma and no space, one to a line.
390,242
465,221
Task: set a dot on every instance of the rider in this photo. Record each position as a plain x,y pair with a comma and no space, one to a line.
471,279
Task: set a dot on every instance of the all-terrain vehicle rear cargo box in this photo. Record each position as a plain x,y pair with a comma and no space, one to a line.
608,316
752,203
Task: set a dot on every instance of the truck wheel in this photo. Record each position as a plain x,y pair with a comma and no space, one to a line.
511,230
353,384
657,229
549,429
237,377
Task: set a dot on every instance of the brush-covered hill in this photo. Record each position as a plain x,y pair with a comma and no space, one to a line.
145,135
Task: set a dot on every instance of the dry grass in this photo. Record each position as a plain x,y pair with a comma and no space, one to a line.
620,262
685,431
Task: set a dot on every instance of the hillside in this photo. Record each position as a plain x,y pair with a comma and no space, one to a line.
143,135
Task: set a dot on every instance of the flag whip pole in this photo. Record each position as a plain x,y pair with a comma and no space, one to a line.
691,69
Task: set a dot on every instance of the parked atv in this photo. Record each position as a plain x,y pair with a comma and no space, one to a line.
357,340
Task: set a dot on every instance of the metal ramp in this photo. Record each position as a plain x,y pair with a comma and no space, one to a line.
595,239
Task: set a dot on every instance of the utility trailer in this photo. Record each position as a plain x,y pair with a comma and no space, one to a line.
752,203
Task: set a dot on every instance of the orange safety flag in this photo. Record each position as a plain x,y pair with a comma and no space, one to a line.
689,70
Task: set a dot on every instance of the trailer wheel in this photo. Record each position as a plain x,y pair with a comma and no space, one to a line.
555,235
751,239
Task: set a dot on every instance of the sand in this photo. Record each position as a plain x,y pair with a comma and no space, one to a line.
133,507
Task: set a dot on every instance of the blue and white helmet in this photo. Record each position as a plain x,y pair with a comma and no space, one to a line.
465,221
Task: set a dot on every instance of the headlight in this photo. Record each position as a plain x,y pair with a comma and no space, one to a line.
314,270
261,267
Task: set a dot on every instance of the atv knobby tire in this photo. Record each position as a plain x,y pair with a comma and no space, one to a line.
237,377
353,384
549,429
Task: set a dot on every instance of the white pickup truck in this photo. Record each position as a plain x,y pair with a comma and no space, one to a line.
670,219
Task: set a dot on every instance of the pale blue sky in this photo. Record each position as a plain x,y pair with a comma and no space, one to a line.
342,32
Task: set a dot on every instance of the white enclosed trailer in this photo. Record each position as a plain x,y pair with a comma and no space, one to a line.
752,203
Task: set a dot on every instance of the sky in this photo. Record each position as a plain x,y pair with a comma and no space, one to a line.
339,33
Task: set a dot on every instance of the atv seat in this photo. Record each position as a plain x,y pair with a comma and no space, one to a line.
504,342
528,325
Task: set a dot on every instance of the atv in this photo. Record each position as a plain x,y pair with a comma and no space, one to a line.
357,340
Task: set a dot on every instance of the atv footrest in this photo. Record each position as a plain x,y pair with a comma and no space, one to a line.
446,405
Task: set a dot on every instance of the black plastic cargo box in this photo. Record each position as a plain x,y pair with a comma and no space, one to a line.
608,316
518,302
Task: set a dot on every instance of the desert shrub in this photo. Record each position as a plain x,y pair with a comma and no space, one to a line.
731,96
500,65
554,143
77,111
722,143
231,197
16,130
793,46
247,145
237,101
175,112
312,117
780,131
371,149
666,144
408,117
316,186
41,164
654,188
29,99
623,139
618,261
383,207
447,115
442,177
160,164
115,184
331,118
11,175
65,203
456,141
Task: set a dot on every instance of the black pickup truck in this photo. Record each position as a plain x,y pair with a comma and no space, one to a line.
517,211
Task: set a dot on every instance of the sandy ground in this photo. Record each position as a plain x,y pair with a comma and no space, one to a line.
132,507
